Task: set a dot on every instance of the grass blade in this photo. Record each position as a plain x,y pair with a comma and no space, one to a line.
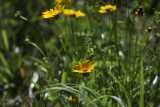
36,46
5,40
141,81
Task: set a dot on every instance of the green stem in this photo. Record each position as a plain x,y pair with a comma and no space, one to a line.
141,81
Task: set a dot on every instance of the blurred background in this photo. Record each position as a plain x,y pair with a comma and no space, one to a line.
22,29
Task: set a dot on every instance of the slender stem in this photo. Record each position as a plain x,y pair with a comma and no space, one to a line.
141,80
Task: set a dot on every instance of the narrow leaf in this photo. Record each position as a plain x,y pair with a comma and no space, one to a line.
5,39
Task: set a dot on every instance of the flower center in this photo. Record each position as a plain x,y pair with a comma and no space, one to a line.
108,10
85,69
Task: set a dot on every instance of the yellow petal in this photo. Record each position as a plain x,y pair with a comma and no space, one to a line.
78,68
79,14
68,12
102,11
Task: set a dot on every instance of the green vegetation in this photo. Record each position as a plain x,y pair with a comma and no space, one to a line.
87,56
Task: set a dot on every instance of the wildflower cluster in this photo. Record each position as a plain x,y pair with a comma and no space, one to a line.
109,58
60,9
70,12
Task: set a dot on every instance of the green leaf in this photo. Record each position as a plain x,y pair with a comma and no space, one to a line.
5,66
5,39
2,58
63,81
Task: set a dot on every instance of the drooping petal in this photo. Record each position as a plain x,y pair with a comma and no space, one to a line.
79,14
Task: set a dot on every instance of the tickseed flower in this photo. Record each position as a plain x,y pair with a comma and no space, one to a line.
69,2
84,67
59,1
107,8
70,12
53,12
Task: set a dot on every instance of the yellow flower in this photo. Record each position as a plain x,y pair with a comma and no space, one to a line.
69,2
59,1
107,8
84,67
70,12
53,12
70,98
74,98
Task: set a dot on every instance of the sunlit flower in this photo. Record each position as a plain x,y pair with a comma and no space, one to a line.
69,2
70,12
53,12
107,8
59,1
84,67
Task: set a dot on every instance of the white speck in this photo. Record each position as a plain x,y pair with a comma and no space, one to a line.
16,50
155,80
102,35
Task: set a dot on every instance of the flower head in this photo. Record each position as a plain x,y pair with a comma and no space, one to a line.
69,2
70,12
53,12
149,29
107,8
59,1
84,67
140,11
